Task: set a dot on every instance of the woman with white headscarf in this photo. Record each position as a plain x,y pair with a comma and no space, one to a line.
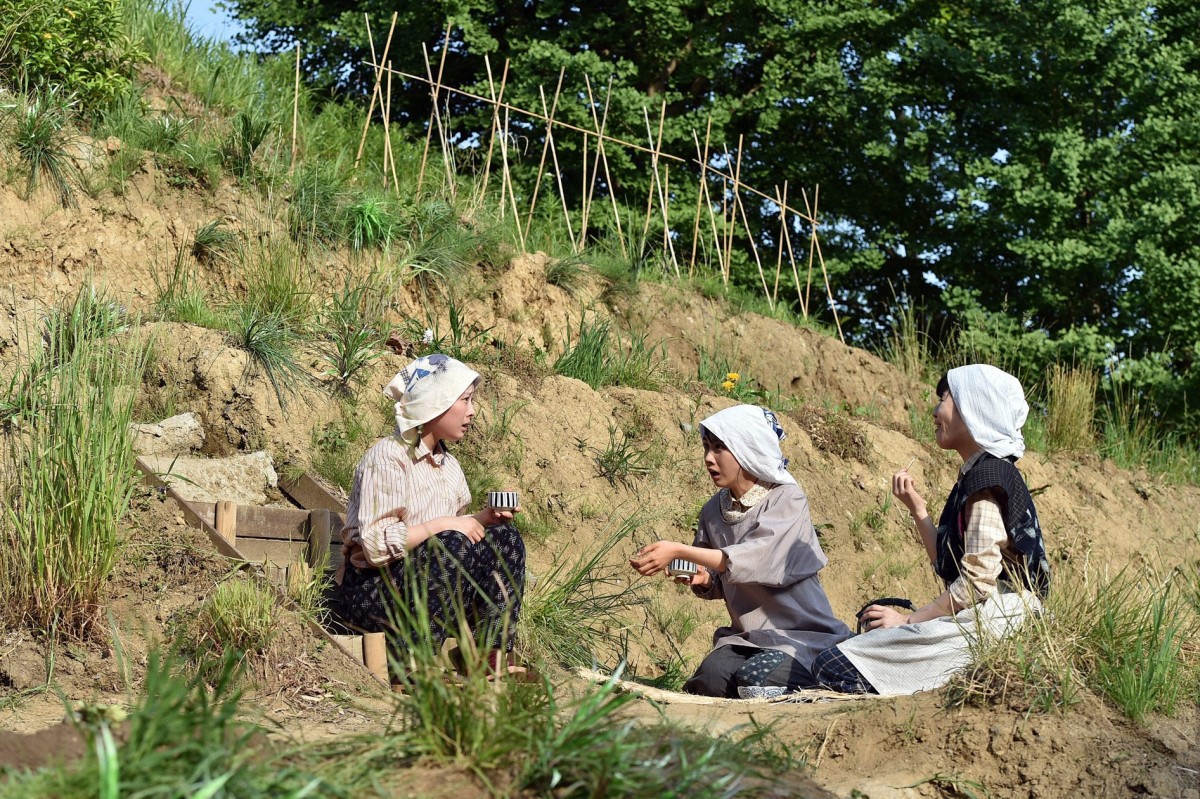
755,548
986,547
408,536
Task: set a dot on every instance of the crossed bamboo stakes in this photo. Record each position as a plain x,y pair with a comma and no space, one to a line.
728,204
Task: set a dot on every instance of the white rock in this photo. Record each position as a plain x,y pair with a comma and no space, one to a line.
178,435
244,479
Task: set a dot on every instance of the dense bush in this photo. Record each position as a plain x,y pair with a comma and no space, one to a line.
78,45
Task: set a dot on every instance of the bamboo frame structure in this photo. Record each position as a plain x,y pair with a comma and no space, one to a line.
595,143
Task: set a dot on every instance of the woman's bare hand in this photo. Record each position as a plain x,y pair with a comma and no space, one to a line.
904,489
654,558
880,617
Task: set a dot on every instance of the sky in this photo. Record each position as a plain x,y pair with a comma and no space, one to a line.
211,22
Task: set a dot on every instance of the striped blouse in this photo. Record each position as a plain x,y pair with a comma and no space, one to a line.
399,482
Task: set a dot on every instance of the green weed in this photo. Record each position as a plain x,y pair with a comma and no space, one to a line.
182,297
240,615
90,316
248,133
1070,408
41,139
67,477
594,357
352,338
566,273
271,342
620,461
213,242
576,614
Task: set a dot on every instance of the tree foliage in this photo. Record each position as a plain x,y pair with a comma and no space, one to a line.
1034,161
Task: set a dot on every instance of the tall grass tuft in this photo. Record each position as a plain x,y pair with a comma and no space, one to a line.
249,132
213,242
40,138
91,315
181,296
596,359
908,345
1122,636
352,336
1070,408
576,614
239,616
271,342
67,476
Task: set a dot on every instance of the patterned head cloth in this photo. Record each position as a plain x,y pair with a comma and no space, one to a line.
427,387
992,405
752,434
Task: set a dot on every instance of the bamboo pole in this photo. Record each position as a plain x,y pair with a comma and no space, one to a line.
589,188
655,183
782,235
583,189
666,205
812,251
487,164
708,203
762,276
824,272
512,195
701,159
362,142
607,137
443,140
558,174
388,158
295,111
545,145
792,260
435,92
612,195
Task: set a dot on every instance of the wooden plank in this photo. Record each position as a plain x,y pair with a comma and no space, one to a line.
264,550
375,654
283,524
320,535
226,515
310,495
193,519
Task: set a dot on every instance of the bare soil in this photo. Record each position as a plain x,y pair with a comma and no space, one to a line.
1093,512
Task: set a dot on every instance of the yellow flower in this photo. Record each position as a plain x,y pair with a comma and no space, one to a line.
728,385
734,376
69,12
47,35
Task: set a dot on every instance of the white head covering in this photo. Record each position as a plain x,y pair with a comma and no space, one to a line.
752,434
427,387
992,404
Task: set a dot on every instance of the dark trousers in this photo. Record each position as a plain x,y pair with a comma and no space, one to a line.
727,668
443,583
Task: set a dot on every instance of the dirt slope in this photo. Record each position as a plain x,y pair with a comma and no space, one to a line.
1092,511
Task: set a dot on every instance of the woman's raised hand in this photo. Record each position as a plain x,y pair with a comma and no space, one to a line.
904,489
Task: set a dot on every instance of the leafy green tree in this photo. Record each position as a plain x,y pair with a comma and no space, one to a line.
1039,158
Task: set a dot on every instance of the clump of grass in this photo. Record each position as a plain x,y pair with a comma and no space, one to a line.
315,211
369,223
836,433
621,461
1070,408
908,344
460,339
213,242
91,315
271,342
41,140
240,615
352,338
279,283
181,295
249,132
566,273
442,248
1121,636
67,476
598,360
577,613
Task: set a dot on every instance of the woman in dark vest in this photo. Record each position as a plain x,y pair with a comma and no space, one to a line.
986,547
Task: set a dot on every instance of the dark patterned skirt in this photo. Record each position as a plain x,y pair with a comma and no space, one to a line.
445,587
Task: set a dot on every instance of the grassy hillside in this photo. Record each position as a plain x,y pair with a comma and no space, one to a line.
168,251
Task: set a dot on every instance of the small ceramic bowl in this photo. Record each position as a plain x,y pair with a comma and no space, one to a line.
681,568
502,500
